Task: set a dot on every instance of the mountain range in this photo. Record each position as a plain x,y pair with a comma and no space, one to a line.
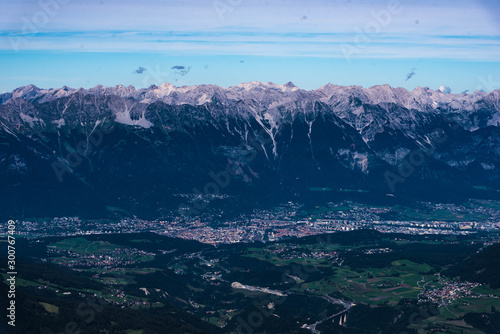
147,152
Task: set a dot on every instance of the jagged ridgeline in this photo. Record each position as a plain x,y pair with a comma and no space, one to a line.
83,151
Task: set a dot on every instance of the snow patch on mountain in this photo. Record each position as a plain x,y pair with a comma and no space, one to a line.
59,122
487,166
361,161
30,120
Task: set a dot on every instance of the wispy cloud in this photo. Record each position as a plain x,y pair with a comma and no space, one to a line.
181,70
447,29
444,89
410,74
259,43
191,43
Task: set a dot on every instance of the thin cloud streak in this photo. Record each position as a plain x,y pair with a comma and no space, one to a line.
446,30
264,44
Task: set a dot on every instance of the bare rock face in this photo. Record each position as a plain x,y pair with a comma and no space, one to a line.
66,150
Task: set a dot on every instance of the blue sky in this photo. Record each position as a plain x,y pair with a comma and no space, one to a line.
78,43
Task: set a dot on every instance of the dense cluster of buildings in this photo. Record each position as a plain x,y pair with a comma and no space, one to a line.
447,291
286,221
